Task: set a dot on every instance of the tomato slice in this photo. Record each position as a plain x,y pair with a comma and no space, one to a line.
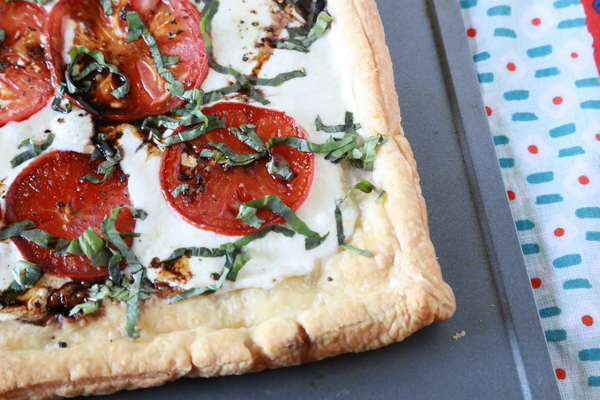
217,191
50,193
25,86
173,23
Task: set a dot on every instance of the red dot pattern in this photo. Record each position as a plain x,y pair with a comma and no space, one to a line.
557,100
559,232
488,111
511,67
533,149
561,374
511,195
574,55
536,22
587,320
536,283
584,180
471,32
598,137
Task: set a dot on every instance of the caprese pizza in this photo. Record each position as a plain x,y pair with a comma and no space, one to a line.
218,187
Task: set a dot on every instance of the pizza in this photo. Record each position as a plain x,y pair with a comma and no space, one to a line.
201,189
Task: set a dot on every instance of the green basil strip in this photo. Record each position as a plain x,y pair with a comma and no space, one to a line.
93,247
247,214
72,80
304,145
236,254
88,307
210,9
195,132
281,170
219,94
364,157
339,224
33,150
114,268
113,157
137,28
366,187
225,155
107,6
316,31
138,271
182,188
2,37
201,290
349,126
40,2
58,96
25,274
279,79
48,241
248,136
15,229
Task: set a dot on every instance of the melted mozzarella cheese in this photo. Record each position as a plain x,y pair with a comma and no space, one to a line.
325,91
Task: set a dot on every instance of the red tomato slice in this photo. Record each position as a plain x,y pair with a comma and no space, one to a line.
217,191
25,82
173,23
50,193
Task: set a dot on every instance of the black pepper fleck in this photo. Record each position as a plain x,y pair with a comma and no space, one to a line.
62,344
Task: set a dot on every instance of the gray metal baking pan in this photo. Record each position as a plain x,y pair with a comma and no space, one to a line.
503,354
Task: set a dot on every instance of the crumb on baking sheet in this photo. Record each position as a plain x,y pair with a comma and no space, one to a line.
459,335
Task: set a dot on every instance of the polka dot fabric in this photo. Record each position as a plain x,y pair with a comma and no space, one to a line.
538,76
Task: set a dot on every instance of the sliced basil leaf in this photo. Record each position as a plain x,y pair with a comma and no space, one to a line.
347,127
72,80
48,241
298,41
110,232
33,150
236,255
137,28
339,224
248,136
282,170
40,2
366,187
182,188
114,267
59,92
25,274
2,37
247,214
219,94
15,229
210,9
304,145
113,157
195,132
88,307
106,6
364,157
93,247
225,155
279,79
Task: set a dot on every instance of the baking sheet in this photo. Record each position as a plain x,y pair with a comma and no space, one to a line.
503,354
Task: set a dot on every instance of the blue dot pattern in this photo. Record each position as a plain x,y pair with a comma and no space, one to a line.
540,85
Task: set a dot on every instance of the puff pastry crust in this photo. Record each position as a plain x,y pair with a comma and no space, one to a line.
349,304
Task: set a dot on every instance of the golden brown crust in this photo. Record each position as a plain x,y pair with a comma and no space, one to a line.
351,304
